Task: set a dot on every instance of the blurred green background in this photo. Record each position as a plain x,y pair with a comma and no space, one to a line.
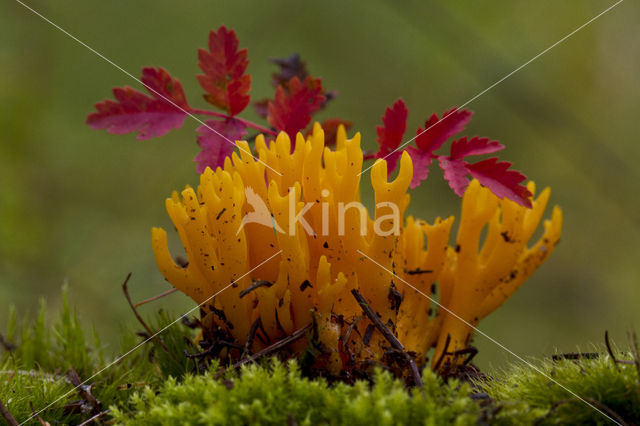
77,205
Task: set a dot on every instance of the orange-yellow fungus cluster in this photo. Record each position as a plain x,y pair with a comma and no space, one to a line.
310,279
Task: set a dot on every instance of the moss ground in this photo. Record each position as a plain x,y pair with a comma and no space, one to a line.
160,385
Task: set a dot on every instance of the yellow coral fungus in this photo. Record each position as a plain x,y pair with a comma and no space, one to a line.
288,250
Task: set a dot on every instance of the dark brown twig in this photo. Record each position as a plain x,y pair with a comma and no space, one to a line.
7,416
156,297
96,417
37,416
254,285
608,344
6,345
574,356
436,367
214,349
633,342
418,271
83,390
250,338
150,332
271,349
471,351
391,338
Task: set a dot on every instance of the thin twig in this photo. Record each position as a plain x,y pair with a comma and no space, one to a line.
633,342
7,416
436,367
150,332
156,297
255,284
269,350
608,344
83,390
42,422
6,345
575,356
251,337
391,338
102,413
220,344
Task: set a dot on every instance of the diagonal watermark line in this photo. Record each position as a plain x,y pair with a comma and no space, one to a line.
477,330
130,351
140,81
498,82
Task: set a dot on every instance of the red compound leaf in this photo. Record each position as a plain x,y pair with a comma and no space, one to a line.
475,146
455,172
217,141
491,173
438,131
294,103
421,162
501,181
224,80
394,124
150,116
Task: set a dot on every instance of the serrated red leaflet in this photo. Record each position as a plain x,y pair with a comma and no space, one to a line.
292,106
224,80
394,124
438,131
503,182
214,147
455,172
475,146
421,162
150,116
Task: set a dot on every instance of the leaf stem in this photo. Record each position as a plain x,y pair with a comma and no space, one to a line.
242,120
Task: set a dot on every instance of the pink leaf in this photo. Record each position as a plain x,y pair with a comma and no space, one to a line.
475,146
455,172
437,131
501,181
217,140
421,162
150,116
391,132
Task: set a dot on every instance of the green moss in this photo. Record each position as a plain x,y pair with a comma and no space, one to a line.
277,394
158,384
610,387
44,350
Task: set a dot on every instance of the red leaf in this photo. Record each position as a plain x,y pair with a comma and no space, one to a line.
291,109
437,131
455,172
394,124
217,140
500,180
224,65
150,116
421,162
291,66
475,146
